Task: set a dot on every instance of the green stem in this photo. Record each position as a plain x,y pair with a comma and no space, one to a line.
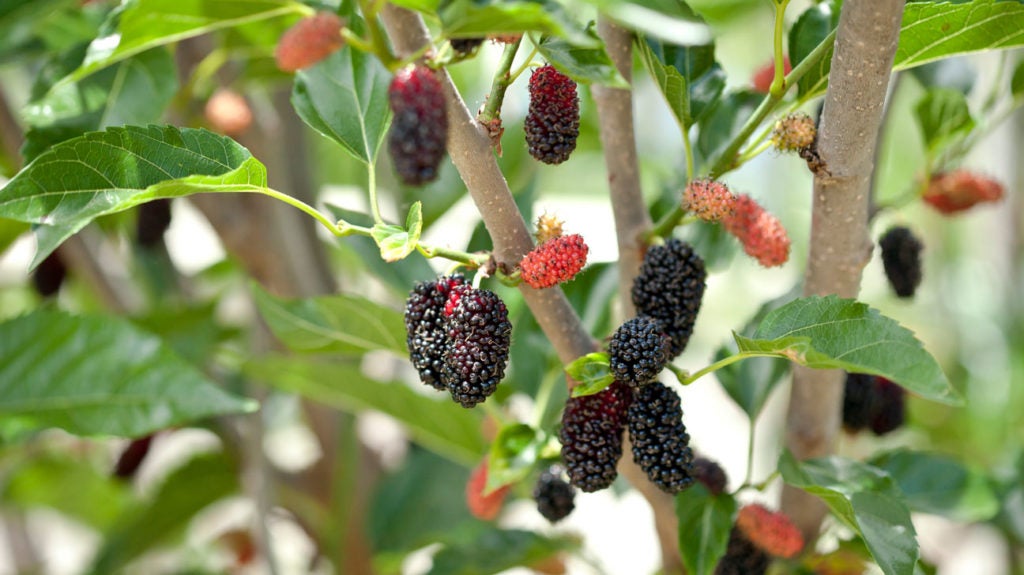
727,159
502,80
750,452
356,41
371,185
524,66
667,223
688,149
333,227
728,361
378,41
465,258
778,86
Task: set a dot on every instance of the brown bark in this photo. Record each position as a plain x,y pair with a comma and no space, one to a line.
615,116
840,247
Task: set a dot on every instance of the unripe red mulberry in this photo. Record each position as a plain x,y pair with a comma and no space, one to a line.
426,334
959,190
310,40
638,351
485,507
742,557
419,130
228,112
554,496
555,261
761,233
772,531
794,132
669,288
553,119
661,446
591,436
901,258
711,474
709,200
476,351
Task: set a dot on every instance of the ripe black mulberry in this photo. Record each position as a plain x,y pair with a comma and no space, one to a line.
901,257
591,436
639,351
554,496
711,474
670,287
476,351
553,119
425,327
742,557
661,446
419,130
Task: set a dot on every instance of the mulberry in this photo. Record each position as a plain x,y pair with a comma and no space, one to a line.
49,275
761,233
548,226
661,446
553,119
794,132
669,288
858,401
901,257
425,330
419,130
959,190
476,351
711,474
465,46
554,496
309,41
555,261
765,75
771,531
890,407
228,112
709,200
152,222
742,557
639,351
591,436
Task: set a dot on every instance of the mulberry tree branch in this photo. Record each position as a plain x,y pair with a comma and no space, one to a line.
470,150
632,221
840,247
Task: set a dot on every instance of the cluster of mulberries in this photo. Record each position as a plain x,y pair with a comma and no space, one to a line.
419,130
554,261
554,496
310,40
873,402
711,474
901,258
553,119
591,436
709,200
959,190
458,338
669,288
771,531
661,446
761,233
794,132
638,351
152,222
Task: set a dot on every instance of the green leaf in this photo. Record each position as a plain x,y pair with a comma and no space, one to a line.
10,231
688,77
834,333
100,376
438,424
134,92
192,332
668,20
145,24
941,485
205,479
102,173
750,382
584,65
425,6
336,323
344,97
513,454
396,242
943,116
491,550
866,500
592,371
705,521
474,18
1017,81
934,30
721,124
74,488
810,30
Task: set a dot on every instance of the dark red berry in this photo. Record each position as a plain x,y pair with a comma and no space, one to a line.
132,457
858,401
554,496
742,557
901,257
553,119
711,474
419,129
153,221
661,446
555,261
49,275
425,330
476,351
669,288
639,351
591,436
890,407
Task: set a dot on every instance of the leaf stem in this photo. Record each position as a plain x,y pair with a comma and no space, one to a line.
502,80
779,84
333,227
728,361
473,260
371,186
688,150
378,43
750,451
